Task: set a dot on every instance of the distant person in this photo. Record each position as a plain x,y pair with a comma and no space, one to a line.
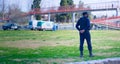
83,26
112,5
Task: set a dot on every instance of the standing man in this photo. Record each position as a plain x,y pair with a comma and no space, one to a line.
83,26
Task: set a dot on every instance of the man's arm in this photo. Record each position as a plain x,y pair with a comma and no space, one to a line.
78,25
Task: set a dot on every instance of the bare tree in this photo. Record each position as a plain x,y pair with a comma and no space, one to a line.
2,8
15,14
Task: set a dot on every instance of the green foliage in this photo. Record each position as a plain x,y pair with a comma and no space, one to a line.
61,17
36,4
66,16
66,2
70,2
63,3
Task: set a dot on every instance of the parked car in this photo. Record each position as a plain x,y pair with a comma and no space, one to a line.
12,26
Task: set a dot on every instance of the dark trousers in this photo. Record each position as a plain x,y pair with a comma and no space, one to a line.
86,35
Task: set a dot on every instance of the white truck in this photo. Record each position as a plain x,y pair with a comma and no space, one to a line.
42,25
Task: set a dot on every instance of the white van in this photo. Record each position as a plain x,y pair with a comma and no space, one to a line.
42,25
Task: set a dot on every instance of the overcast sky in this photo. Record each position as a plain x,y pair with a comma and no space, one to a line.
24,4
48,3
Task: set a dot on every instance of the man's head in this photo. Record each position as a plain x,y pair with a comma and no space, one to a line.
85,14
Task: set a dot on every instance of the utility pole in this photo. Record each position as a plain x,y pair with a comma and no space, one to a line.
3,9
73,20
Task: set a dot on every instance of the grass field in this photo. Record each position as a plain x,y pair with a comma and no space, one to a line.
49,47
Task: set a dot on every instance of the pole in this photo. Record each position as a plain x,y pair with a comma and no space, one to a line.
73,19
3,9
117,11
49,17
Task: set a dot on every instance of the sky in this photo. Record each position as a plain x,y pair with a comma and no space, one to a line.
26,4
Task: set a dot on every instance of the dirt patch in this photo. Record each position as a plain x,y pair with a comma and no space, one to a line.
18,60
44,60
108,54
114,38
1,51
103,47
36,43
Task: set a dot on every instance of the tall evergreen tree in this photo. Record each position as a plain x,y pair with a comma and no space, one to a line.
70,2
66,16
36,4
63,3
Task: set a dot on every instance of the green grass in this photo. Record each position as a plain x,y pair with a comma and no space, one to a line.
49,47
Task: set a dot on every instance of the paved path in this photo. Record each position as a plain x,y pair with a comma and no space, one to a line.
104,61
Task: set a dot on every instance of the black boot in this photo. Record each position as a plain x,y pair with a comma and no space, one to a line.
81,54
90,54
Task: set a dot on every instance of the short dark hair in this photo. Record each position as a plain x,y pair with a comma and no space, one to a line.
84,13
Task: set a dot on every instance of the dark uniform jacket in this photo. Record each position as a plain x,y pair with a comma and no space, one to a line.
83,24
